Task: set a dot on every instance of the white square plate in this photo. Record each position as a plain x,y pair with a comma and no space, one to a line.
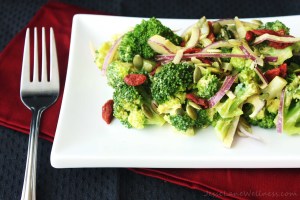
83,139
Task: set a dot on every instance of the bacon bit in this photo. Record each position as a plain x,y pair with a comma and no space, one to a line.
279,71
197,100
107,111
135,79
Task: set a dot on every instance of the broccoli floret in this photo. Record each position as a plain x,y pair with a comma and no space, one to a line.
126,99
273,105
135,41
248,75
116,71
263,119
239,63
170,80
202,120
291,76
277,26
121,114
208,85
132,109
291,113
101,53
181,123
170,106
137,119
232,107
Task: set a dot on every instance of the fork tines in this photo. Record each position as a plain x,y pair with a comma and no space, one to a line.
25,76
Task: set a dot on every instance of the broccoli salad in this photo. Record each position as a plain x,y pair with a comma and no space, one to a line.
229,74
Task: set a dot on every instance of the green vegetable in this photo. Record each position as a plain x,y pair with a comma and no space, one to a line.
128,108
226,129
266,117
208,85
248,75
232,107
291,114
239,104
182,122
224,34
225,50
239,63
277,26
263,119
281,54
135,41
170,105
202,120
274,88
100,54
116,71
172,79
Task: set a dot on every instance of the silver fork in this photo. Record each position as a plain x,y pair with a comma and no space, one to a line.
37,95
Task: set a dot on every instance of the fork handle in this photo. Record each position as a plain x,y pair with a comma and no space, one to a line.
29,184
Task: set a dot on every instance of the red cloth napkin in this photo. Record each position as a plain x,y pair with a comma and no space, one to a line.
13,113
221,183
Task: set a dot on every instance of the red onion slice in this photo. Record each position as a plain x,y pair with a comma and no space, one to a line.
229,80
110,55
279,125
246,133
248,51
260,74
271,59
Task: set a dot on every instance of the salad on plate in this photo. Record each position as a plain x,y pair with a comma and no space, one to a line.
230,74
